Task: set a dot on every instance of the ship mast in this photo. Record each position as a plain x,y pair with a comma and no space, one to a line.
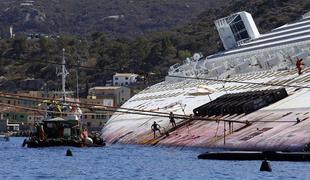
63,74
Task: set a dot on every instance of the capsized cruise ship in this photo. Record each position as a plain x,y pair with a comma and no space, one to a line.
248,97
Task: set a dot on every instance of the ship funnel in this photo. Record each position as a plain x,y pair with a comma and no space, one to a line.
237,28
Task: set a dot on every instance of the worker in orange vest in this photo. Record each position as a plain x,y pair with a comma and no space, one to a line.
299,63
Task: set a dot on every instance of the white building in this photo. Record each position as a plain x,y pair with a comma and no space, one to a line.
124,79
236,28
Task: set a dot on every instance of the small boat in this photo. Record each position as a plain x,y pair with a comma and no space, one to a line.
61,132
61,126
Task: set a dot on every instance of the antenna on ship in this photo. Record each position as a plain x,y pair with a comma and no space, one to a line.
63,74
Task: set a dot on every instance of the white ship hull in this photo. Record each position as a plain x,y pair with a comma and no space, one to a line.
269,59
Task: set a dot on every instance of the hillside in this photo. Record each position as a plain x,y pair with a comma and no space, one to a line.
267,14
121,17
145,54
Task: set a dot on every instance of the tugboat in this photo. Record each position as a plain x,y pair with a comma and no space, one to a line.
61,126
62,132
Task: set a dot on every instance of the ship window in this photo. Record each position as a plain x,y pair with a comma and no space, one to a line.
93,116
126,78
85,116
238,28
237,19
244,35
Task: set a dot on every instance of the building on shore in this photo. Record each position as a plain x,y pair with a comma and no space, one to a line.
28,102
17,102
113,96
46,94
110,96
5,125
19,119
124,79
94,121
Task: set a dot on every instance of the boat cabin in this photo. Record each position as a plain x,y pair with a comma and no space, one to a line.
58,128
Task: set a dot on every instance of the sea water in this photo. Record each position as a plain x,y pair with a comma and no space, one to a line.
132,162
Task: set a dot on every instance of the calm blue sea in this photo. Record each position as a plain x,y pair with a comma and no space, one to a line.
126,162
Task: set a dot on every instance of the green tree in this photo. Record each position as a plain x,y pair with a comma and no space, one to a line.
139,51
183,54
44,45
19,45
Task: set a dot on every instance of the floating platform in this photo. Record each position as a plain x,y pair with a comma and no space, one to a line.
256,155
